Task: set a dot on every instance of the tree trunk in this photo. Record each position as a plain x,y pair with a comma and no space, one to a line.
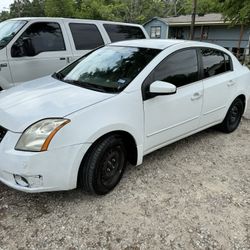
240,40
193,20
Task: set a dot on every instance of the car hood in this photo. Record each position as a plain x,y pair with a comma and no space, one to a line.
46,97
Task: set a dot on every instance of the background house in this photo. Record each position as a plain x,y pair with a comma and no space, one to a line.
209,28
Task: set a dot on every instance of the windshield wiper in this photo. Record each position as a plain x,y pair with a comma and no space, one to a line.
86,85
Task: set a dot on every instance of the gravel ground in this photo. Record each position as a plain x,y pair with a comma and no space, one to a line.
194,194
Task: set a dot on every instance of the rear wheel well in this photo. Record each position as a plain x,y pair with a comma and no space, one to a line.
129,143
243,99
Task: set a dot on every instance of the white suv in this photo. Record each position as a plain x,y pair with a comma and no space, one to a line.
34,47
117,104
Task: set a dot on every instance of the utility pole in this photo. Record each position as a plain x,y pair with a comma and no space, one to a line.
193,20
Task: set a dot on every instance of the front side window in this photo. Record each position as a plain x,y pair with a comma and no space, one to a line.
86,36
8,30
180,68
38,38
215,62
123,32
108,69
155,32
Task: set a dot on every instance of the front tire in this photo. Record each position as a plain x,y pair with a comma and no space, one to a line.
104,166
233,117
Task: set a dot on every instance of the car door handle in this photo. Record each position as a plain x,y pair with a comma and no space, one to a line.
231,83
196,96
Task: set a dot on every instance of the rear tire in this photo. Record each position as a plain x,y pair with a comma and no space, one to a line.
233,117
103,167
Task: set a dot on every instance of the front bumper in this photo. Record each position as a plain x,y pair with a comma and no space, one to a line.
52,170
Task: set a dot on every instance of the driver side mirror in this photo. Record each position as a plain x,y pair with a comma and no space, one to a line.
162,88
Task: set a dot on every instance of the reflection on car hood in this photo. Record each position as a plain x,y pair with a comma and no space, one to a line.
43,98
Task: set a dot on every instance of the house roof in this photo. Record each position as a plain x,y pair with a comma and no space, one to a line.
208,19
214,18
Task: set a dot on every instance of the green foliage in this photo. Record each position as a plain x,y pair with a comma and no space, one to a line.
203,6
135,11
4,15
237,12
120,10
27,8
59,8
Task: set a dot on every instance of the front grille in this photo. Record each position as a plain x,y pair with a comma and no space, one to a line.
3,132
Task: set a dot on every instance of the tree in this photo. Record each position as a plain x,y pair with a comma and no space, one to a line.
4,15
120,10
203,6
59,8
27,8
237,12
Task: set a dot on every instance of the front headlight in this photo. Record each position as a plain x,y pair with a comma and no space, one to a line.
38,136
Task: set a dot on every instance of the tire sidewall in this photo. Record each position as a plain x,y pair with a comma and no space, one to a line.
93,165
232,127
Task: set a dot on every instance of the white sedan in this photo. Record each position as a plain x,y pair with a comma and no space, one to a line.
82,125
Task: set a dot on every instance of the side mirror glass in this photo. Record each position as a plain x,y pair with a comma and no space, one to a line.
162,88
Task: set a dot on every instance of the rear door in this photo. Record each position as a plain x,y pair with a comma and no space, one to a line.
42,49
219,85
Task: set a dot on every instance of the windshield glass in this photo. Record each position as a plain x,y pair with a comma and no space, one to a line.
8,29
108,69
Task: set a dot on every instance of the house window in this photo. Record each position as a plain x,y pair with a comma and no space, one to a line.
155,32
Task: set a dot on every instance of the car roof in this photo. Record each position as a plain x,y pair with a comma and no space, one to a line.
73,20
149,43
166,43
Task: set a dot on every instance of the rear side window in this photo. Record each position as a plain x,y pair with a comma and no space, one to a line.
180,69
123,32
85,36
38,38
215,62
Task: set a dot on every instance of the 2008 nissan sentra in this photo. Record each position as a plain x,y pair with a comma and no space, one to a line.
82,125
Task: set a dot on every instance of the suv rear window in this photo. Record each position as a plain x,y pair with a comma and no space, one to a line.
123,32
85,36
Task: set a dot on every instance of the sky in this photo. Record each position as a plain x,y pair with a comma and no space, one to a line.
5,3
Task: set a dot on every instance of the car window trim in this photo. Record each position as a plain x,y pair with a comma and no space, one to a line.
202,65
144,85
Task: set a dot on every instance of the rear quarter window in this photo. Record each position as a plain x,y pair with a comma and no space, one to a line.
215,62
85,36
123,32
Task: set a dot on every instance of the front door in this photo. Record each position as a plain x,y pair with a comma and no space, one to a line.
169,117
5,76
41,50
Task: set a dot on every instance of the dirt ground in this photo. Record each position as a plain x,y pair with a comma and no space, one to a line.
194,194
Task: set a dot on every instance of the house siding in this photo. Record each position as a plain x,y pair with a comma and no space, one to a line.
222,35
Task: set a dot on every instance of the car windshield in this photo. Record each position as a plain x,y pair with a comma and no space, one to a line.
108,69
8,29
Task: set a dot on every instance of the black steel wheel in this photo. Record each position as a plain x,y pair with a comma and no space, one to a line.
103,167
233,117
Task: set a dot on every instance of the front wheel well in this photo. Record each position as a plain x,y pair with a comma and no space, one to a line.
129,142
